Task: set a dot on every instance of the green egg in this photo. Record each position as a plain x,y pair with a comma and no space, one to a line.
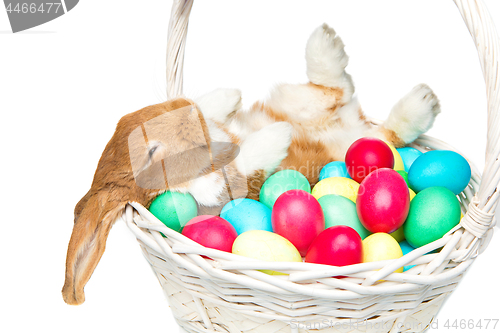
174,209
433,212
339,210
281,182
404,174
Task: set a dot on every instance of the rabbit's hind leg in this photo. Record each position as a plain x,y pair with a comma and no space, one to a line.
414,114
326,61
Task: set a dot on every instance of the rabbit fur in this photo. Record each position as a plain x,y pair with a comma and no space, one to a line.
300,126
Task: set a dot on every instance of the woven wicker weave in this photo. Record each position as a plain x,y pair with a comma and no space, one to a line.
229,294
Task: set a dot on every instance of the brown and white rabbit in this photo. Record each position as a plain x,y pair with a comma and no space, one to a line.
133,168
326,119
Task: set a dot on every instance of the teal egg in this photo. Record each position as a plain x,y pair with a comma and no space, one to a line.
174,209
281,182
433,212
407,248
247,214
338,210
440,168
408,155
334,169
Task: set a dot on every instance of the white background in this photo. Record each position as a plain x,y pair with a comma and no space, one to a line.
65,84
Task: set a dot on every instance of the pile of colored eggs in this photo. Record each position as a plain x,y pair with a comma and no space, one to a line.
379,204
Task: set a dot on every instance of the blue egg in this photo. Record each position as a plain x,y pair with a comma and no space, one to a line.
406,248
247,214
408,155
443,168
334,169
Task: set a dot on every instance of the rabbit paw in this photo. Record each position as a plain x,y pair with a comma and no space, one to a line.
326,59
265,149
414,114
219,104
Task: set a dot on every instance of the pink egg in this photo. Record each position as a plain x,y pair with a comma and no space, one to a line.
383,201
337,246
211,231
298,217
366,155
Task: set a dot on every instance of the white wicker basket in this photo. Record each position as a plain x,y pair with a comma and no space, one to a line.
229,294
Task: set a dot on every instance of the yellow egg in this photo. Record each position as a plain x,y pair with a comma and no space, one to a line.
412,194
398,235
398,161
381,246
266,246
336,185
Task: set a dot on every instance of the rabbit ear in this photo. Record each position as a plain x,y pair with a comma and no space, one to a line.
81,204
88,242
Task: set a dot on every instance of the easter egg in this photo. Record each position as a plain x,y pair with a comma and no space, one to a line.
174,209
334,169
339,210
398,161
408,155
406,248
381,246
366,155
266,246
403,174
336,185
281,182
211,231
440,168
433,212
337,246
383,201
298,217
399,235
247,214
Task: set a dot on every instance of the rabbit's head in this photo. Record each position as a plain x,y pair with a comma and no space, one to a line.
158,147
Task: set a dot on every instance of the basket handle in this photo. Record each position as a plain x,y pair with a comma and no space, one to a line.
484,34
177,31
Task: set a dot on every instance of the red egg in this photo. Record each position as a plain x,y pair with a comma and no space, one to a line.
366,155
211,231
383,201
337,246
298,217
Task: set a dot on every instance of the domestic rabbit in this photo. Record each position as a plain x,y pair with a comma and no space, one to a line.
225,152
171,146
